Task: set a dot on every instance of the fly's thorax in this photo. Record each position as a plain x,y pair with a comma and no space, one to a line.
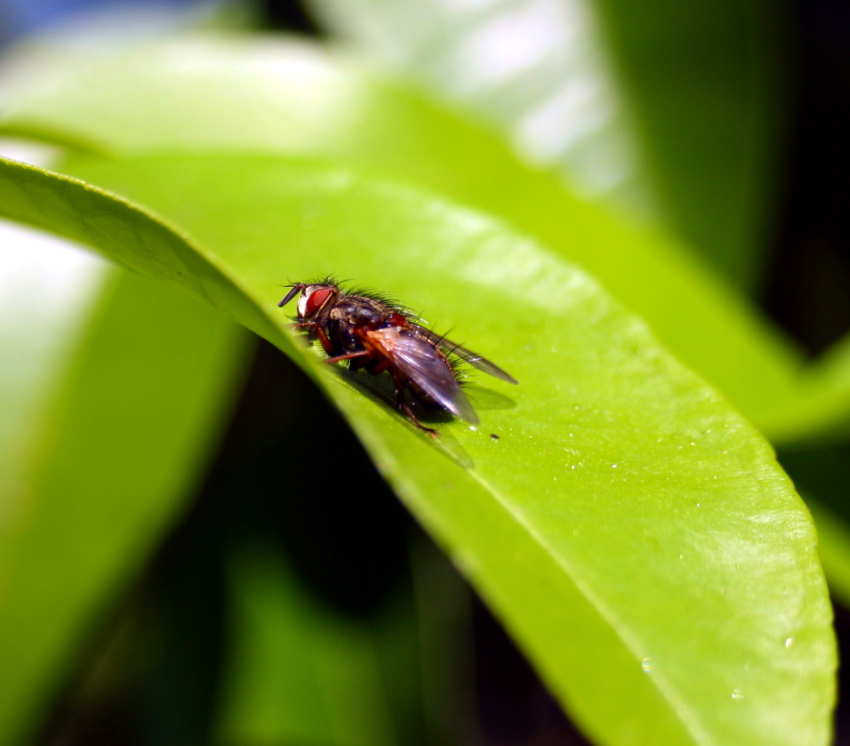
352,315
359,310
342,336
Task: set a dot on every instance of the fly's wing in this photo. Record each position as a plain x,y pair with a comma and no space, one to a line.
417,359
468,356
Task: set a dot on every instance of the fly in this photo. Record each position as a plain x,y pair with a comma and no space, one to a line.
375,334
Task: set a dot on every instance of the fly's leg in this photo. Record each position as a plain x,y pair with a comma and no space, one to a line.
405,407
320,333
349,356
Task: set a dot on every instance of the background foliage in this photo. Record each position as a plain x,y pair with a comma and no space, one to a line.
182,562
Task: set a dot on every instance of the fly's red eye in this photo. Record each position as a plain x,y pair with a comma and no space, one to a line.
317,300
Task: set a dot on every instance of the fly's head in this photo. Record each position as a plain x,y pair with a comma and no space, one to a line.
314,297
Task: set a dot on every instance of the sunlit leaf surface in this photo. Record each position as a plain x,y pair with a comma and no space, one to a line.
632,530
273,96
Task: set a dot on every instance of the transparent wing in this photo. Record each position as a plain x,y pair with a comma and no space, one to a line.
417,359
468,356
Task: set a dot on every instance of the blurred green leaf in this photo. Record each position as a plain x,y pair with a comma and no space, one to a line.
821,410
299,672
120,428
273,96
633,532
705,82
673,106
444,617
833,548
538,71
821,472
47,288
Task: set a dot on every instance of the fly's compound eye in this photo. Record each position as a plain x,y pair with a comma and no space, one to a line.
311,302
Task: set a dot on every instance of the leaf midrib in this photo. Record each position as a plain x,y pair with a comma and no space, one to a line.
666,690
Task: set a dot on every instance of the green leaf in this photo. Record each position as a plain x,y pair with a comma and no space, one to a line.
821,472
821,410
116,431
299,673
833,548
46,290
213,95
633,532
539,72
673,106
705,81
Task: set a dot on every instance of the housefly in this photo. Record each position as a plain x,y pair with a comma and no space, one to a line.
376,334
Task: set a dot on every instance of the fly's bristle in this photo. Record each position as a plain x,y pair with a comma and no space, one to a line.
449,350
324,280
385,299
458,364
460,370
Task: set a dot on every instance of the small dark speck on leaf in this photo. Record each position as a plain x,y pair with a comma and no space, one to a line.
494,436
